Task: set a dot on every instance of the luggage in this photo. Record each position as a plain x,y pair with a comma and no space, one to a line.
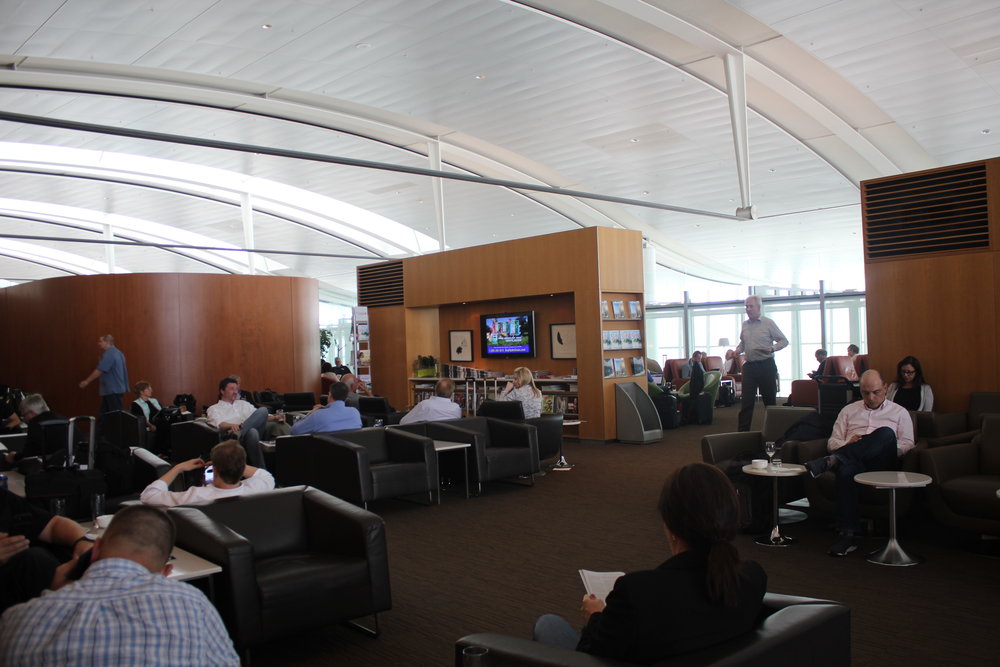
666,406
73,483
701,409
727,395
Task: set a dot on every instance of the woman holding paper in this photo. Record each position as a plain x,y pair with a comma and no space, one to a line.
703,595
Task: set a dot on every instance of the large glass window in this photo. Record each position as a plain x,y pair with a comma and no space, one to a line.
710,327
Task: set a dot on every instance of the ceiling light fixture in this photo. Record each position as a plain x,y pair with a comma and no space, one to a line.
480,76
266,26
985,130
634,140
362,45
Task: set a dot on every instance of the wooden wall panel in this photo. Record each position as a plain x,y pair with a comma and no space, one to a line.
620,260
181,332
939,310
388,349
545,264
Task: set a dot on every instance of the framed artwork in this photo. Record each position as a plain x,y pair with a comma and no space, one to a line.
563,339
460,345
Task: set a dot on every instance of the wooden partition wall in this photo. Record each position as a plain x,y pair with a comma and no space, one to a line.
560,276
181,332
932,269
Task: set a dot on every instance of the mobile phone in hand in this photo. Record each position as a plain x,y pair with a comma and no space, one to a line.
209,474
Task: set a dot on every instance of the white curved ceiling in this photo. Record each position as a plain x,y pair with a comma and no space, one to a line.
627,99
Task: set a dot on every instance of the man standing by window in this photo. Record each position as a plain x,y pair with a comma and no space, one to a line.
760,338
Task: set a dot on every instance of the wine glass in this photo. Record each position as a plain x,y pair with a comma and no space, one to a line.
769,448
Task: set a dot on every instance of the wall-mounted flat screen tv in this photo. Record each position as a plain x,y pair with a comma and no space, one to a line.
508,335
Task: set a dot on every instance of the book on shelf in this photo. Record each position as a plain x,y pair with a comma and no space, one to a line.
619,364
606,339
548,404
571,408
364,357
634,310
609,368
615,337
599,584
638,366
619,309
605,309
362,332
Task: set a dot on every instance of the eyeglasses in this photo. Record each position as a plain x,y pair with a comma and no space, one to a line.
909,372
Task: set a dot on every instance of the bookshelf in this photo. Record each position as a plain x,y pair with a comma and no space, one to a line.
559,394
623,353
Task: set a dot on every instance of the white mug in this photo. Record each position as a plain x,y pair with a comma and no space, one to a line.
759,463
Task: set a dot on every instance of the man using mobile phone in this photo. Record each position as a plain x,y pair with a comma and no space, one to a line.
232,477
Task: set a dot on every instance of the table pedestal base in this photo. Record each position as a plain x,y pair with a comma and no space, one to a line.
775,539
892,554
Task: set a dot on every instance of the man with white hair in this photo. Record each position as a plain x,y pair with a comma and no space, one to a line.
870,434
760,338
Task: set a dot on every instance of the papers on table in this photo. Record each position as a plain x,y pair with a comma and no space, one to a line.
599,584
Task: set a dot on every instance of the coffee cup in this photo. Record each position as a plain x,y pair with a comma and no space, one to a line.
104,520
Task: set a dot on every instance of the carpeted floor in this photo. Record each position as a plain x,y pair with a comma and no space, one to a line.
494,563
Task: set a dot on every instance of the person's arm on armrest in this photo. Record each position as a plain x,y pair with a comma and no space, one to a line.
158,492
65,532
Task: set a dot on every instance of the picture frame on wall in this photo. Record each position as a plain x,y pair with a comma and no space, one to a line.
563,340
460,345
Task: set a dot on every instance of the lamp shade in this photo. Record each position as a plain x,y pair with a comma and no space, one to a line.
723,342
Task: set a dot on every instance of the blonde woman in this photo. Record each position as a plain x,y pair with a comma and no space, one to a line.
522,388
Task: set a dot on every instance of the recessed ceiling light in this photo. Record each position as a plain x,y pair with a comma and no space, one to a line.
985,130
645,192
771,170
362,45
634,140
266,26
480,76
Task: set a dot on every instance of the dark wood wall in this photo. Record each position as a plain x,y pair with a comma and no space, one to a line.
181,332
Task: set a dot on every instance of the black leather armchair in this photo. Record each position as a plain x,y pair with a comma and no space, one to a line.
194,439
791,630
292,559
124,429
550,427
359,465
499,448
966,478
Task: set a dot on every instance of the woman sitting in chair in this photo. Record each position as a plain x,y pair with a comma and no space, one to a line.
703,595
522,388
910,390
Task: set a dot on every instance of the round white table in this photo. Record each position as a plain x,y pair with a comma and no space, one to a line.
892,553
775,538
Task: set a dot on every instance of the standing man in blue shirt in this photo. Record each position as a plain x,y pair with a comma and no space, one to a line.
113,374
760,338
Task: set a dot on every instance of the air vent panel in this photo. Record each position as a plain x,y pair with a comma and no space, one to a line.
381,284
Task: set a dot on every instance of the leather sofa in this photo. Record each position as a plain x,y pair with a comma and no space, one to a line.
952,428
966,477
359,465
791,630
292,559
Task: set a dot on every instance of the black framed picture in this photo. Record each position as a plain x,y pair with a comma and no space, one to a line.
563,339
460,345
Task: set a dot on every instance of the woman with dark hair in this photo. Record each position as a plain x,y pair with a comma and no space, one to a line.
703,595
910,389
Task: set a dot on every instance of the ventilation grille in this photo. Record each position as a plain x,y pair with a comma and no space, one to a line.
381,284
917,214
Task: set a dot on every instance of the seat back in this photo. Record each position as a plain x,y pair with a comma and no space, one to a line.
123,429
778,419
982,403
55,433
860,362
989,446
713,379
804,393
841,365
373,405
274,521
712,363
190,440
299,400
509,410
672,371
372,439
834,393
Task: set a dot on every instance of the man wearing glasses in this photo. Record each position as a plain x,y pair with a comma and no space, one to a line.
870,434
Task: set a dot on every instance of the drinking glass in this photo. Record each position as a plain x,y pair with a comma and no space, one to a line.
475,656
96,506
58,506
769,448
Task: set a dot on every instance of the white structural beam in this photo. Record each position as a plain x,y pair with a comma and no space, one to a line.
736,85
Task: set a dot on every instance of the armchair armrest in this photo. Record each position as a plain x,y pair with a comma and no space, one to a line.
336,526
806,450
719,448
942,424
404,446
512,434
238,601
518,651
349,475
953,439
945,463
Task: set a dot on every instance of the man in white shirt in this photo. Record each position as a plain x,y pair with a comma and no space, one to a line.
233,477
241,419
436,408
760,338
870,434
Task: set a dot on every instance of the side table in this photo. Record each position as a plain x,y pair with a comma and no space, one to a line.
892,553
775,539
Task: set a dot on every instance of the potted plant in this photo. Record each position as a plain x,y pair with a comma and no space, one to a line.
426,366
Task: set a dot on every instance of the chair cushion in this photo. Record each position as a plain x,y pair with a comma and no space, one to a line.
311,585
398,479
975,495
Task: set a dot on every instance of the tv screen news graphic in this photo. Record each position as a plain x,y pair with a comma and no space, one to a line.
508,335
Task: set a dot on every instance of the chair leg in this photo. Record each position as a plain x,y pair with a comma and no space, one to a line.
371,632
